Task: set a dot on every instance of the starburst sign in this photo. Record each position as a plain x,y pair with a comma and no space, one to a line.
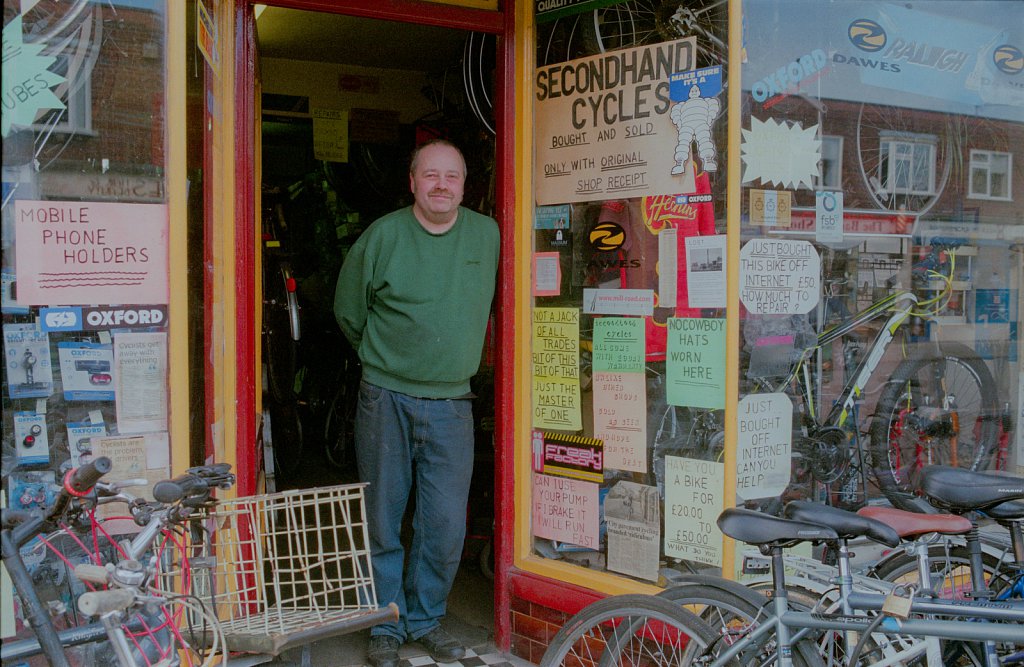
780,153
26,80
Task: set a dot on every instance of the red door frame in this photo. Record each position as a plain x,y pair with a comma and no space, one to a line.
502,24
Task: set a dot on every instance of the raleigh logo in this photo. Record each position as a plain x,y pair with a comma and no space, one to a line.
125,316
1008,59
869,36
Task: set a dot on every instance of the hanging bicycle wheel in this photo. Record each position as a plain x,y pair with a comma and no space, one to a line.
939,409
905,157
478,62
640,22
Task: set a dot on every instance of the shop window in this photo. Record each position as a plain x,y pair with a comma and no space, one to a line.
907,166
858,262
830,168
990,175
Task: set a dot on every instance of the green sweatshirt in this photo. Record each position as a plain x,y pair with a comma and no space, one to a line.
415,305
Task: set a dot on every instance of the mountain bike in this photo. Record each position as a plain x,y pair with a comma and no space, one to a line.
939,404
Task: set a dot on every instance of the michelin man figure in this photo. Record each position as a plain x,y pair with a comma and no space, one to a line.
693,118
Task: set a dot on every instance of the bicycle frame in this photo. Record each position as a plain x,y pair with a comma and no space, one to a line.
899,306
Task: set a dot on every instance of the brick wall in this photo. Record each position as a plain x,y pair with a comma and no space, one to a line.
533,626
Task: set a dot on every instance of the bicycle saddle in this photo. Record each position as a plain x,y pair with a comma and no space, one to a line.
846,524
764,529
959,490
912,524
1008,511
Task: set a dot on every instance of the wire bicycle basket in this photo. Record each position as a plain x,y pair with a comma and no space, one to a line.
285,569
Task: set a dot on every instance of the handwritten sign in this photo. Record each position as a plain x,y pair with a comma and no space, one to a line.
81,253
693,501
779,276
565,510
604,125
619,344
620,419
696,362
764,449
556,369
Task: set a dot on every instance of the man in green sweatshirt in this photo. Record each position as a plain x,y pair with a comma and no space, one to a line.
413,298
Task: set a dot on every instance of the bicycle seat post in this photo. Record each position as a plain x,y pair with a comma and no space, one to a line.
845,579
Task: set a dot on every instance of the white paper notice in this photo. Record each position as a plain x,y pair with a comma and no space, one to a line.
693,500
620,419
705,271
764,449
780,153
828,216
140,378
633,515
618,301
667,268
779,276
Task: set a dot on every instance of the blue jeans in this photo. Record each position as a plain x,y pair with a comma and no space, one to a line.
399,439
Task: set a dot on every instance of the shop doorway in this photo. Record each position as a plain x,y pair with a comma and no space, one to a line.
344,101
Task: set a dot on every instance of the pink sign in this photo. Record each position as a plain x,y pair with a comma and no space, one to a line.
81,253
565,510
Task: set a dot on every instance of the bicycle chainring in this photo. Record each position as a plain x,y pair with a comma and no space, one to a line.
825,451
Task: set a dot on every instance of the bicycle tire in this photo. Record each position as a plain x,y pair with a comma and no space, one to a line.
641,22
623,628
732,609
339,426
280,347
912,410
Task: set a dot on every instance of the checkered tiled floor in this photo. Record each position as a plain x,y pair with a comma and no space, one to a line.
472,659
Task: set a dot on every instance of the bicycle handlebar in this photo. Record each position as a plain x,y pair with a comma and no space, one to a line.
95,603
81,480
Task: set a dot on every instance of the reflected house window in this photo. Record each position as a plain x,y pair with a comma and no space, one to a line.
990,175
907,164
77,117
830,167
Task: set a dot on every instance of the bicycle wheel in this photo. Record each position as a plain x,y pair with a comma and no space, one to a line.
940,408
904,159
733,610
640,22
280,332
630,630
339,426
